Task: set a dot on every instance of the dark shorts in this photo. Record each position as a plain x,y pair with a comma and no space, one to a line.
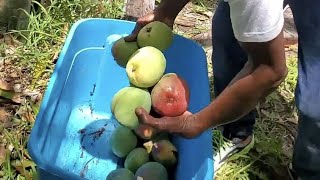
229,58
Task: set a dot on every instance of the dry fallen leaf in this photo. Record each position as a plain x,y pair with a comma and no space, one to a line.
8,40
4,115
5,85
184,21
208,14
9,51
22,165
30,117
14,74
3,153
196,16
293,120
13,96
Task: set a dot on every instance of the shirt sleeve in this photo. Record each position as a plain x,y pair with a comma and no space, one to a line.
256,20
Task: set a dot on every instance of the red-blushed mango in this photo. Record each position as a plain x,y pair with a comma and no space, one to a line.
152,171
121,174
123,141
170,96
136,158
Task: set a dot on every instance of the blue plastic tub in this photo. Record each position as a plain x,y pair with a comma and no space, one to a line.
79,95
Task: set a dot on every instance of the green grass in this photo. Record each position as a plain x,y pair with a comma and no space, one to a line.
48,28
204,5
38,49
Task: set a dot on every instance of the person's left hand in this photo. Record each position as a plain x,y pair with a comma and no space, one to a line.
184,124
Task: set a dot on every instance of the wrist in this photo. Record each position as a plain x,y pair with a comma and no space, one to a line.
194,125
170,9
207,118
163,15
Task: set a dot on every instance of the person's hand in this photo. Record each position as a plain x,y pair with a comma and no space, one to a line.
184,124
156,15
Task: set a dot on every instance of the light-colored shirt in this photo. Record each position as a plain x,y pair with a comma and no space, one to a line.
256,20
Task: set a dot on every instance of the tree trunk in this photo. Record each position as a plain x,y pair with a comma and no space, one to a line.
12,15
138,8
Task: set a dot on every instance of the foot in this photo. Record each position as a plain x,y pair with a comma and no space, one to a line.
225,148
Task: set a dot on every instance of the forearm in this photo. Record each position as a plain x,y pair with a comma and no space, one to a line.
172,7
239,98
245,71
261,75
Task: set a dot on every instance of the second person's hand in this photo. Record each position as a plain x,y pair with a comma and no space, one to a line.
156,15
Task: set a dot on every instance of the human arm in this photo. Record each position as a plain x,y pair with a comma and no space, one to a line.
166,12
262,74
264,71
171,8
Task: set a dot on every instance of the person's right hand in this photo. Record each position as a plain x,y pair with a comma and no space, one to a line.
186,125
156,15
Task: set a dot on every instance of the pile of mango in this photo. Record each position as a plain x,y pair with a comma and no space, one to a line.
147,153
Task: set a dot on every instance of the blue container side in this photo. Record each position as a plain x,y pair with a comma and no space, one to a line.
70,135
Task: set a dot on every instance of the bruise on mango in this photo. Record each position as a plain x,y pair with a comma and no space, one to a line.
164,152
